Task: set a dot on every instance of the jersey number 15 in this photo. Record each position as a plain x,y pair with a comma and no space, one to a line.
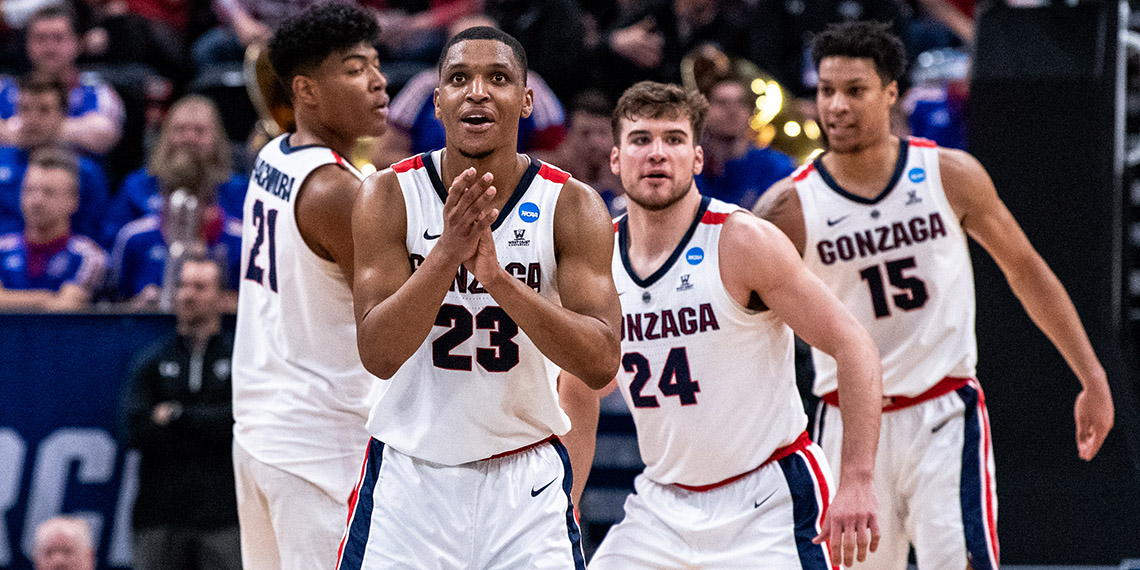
913,295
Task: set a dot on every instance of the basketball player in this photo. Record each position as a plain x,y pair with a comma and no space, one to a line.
299,387
470,295
709,292
883,221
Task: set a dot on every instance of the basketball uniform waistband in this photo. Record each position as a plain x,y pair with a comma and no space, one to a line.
800,443
892,403
521,449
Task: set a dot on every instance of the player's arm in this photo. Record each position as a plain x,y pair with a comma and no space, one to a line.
396,308
758,257
324,215
986,219
583,404
581,336
781,206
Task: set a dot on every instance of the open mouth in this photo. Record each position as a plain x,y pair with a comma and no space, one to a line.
477,120
657,176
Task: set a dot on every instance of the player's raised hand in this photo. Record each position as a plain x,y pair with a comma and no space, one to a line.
485,263
465,215
1093,413
851,526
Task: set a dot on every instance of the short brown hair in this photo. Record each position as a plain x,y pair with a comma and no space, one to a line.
55,157
35,82
653,100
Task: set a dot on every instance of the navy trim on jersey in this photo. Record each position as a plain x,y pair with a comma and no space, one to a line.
433,175
623,247
971,488
820,420
572,530
352,558
286,149
805,511
900,166
520,188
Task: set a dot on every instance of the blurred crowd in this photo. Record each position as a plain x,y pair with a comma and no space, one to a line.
126,129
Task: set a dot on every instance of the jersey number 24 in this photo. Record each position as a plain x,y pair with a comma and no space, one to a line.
676,380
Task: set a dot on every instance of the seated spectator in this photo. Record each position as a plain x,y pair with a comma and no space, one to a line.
180,418
94,112
63,543
585,153
736,170
192,151
138,259
39,118
414,128
46,267
243,22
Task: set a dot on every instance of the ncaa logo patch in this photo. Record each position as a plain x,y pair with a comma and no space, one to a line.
916,175
528,212
695,255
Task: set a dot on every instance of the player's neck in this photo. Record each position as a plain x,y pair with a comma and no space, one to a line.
866,170
322,135
653,235
506,165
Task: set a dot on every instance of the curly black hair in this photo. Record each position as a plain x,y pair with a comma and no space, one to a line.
302,42
487,33
867,39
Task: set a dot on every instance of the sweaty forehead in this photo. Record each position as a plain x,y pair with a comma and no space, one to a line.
476,53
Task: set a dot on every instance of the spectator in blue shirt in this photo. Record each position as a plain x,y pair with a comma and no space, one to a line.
45,267
736,170
138,260
94,111
40,113
192,150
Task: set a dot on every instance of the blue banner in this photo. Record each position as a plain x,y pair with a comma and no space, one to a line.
61,381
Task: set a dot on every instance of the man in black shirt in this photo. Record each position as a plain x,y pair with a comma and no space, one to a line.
180,417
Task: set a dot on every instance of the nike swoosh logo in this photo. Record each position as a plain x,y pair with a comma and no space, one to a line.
831,222
941,425
757,504
429,236
535,492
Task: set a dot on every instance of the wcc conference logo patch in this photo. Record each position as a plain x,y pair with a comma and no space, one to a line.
520,239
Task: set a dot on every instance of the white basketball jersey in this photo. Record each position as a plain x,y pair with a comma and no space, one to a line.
477,386
300,390
900,264
711,384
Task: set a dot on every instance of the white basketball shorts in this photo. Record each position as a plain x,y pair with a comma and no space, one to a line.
934,479
287,523
506,513
765,519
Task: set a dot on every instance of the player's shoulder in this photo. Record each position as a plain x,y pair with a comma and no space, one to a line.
961,173
781,198
575,195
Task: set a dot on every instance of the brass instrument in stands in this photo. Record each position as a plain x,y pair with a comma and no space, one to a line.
778,120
